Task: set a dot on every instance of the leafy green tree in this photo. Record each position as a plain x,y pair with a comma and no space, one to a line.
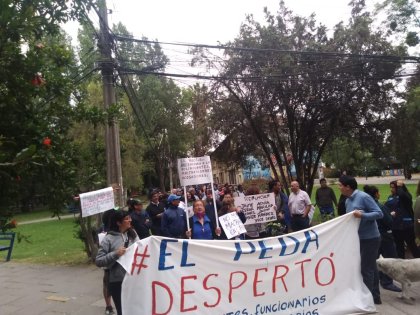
405,132
294,88
37,69
402,17
353,156
161,108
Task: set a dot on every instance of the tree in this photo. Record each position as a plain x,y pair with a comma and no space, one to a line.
402,17
37,71
160,106
293,89
353,156
405,134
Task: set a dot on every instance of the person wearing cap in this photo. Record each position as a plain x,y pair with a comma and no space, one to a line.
174,219
140,219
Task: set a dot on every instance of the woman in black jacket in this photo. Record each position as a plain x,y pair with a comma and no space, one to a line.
400,205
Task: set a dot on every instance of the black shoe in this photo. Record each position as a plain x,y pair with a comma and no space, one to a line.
391,287
377,300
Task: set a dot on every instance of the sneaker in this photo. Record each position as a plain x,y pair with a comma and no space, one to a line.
109,310
391,287
377,300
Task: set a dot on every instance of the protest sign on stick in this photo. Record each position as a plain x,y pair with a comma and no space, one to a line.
257,208
97,201
195,171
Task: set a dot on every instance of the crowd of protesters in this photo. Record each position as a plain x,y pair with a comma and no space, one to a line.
386,229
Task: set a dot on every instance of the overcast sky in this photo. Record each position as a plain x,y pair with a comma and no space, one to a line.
210,21
205,21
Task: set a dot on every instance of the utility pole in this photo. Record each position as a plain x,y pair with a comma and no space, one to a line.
112,134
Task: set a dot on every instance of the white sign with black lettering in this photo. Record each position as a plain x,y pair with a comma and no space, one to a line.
232,225
194,171
257,208
97,201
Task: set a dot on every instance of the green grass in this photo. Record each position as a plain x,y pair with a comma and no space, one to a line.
384,192
52,242
34,215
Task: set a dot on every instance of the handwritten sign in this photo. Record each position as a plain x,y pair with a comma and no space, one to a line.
194,171
232,225
97,201
297,273
257,208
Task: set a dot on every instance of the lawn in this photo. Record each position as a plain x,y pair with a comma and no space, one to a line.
51,242
384,192
34,215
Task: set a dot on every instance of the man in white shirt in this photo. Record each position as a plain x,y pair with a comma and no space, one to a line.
299,206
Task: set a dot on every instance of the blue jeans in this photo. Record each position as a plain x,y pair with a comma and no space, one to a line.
368,253
326,210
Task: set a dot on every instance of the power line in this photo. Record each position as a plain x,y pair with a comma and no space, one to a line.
295,52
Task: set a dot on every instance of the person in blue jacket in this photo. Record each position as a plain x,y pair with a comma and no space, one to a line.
366,209
174,222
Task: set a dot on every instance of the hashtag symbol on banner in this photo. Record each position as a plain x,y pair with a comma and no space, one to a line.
143,257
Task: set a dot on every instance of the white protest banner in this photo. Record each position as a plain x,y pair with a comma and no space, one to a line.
257,208
232,224
194,171
97,201
315,271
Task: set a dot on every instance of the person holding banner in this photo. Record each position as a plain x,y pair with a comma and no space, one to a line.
201,227
119,237
387,248
174,222
365,208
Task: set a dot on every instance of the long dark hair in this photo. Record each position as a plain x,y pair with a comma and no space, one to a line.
395,183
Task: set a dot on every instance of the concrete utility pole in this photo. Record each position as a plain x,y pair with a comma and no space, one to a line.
112,134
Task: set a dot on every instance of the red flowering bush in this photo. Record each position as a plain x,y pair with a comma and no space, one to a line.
6,224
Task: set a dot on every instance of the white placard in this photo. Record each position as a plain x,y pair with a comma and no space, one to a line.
257,208
232,224
194,171
97,201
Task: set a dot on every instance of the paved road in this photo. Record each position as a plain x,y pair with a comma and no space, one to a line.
52,290
387,179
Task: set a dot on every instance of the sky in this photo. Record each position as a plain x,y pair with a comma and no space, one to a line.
205,22
211,21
